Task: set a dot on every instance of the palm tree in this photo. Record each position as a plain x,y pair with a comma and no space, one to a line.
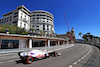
80,34
88,33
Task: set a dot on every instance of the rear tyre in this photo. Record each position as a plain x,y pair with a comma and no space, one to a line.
29,60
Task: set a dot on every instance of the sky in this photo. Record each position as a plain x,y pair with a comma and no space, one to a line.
82,15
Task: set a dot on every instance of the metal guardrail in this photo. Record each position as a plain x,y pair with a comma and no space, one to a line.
10,51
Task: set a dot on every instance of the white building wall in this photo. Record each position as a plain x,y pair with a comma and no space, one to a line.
22,17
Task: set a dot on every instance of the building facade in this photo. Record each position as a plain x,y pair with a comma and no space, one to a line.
42,21
19,17
38,20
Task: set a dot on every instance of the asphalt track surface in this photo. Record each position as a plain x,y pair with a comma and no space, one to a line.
80,55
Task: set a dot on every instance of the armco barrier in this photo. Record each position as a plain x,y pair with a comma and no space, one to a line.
52,48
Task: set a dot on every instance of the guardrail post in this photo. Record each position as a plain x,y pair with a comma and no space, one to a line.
30,42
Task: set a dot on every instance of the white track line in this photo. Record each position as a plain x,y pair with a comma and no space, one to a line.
70,66
75,63
81,58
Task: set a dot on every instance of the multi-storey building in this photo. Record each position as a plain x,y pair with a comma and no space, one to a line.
42,21
38,20
19,17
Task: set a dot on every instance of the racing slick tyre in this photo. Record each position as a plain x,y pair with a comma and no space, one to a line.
29,60
55,54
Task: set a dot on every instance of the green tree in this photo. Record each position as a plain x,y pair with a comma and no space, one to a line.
80,34
88,33
12,29
85,38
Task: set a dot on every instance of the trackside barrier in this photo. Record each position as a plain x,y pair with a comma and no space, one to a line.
52,48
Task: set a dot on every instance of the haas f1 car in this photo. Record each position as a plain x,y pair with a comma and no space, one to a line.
28,57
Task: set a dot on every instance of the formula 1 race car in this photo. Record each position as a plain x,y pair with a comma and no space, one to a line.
28,57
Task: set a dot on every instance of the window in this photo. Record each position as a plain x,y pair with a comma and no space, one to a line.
47,26
37,29
14,22
33,15
15,16
21,16
16,13
41,15
42,12
37,26
10,19
43,28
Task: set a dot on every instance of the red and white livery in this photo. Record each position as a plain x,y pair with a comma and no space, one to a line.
28,57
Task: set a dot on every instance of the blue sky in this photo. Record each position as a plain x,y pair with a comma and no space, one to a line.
82,15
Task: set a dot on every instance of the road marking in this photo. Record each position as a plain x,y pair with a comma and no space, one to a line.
70,66
75,63
84,55
81,58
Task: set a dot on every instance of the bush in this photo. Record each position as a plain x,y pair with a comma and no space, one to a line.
12,29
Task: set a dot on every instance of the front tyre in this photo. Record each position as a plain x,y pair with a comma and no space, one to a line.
29,60
55,54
